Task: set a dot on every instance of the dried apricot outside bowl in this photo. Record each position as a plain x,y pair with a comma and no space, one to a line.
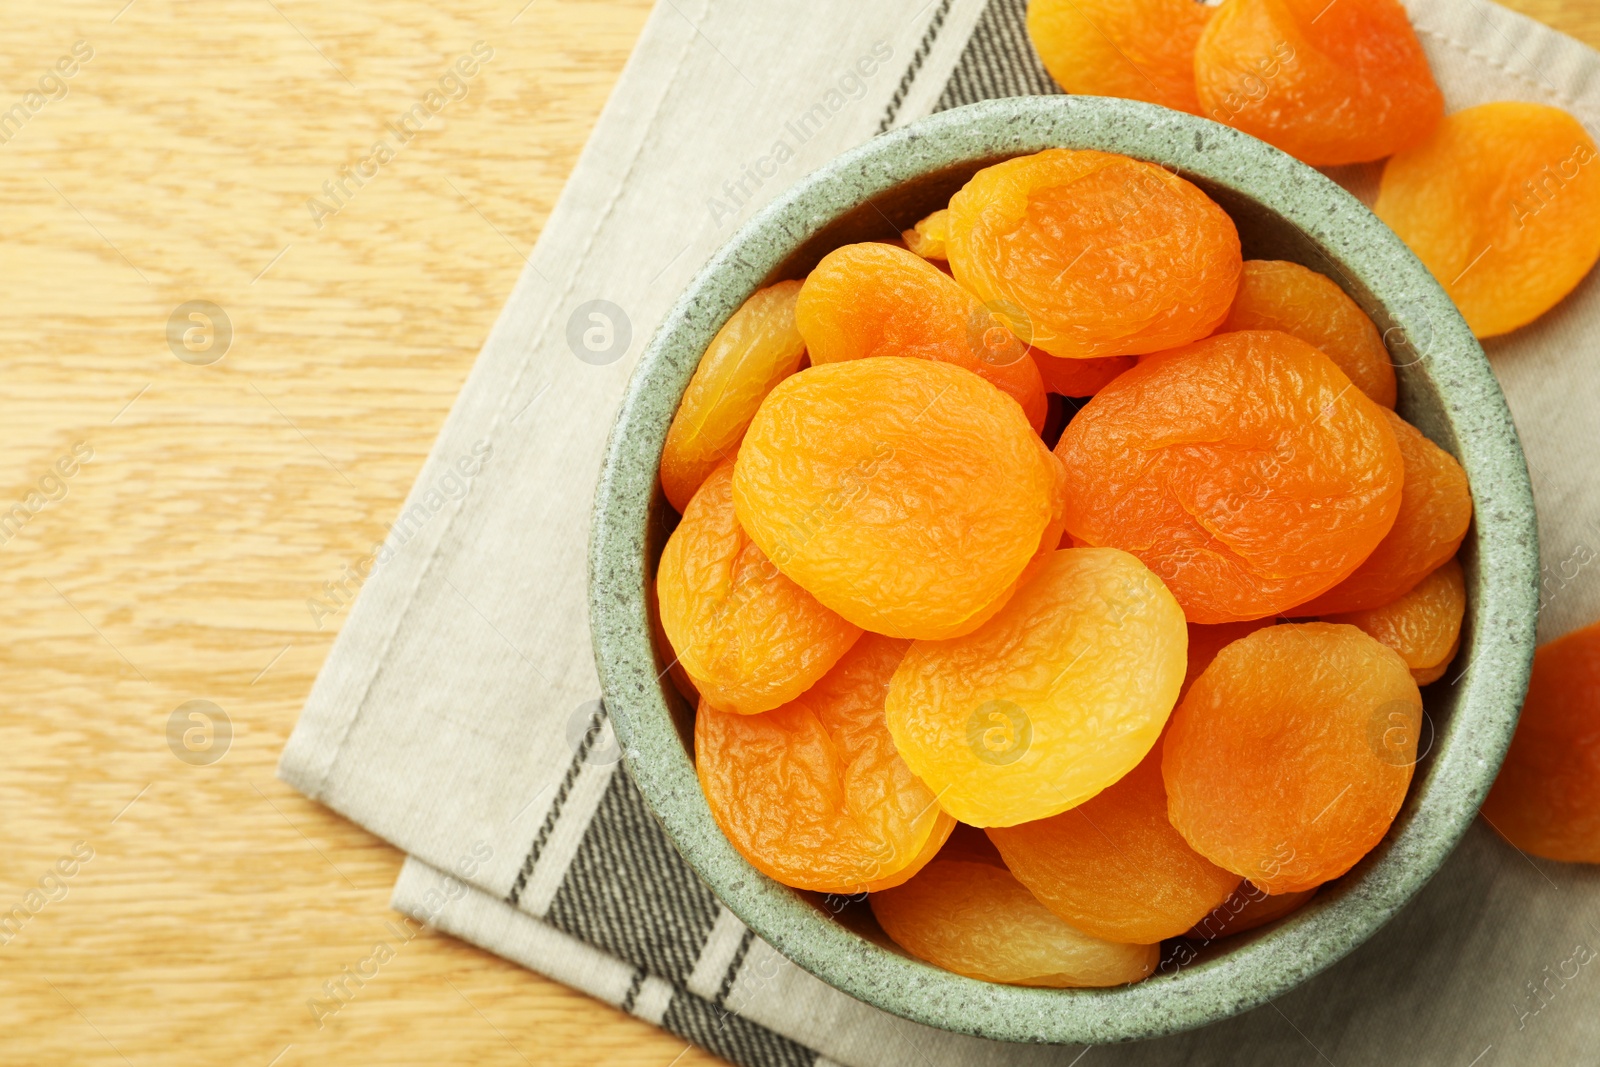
1283,211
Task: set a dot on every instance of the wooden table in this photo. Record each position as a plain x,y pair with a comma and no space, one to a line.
175,563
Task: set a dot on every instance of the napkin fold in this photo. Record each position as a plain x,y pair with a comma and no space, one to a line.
458,715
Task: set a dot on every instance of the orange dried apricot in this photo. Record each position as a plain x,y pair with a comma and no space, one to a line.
1113,866
813,793
1547,798
973,918
1248,907
1134,49
926,239
1053,699
1329,83
1290,756
750,638
1424,625
877,300
1245,470
1080,377
1502,204
907,495
755,350
1278,295
1435,511
1087,254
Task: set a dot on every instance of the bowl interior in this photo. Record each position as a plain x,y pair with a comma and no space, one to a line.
1283,211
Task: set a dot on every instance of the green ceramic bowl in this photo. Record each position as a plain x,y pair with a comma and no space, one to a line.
1284,210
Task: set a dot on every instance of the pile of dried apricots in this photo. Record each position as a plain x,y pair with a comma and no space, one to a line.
1501,201
1052,683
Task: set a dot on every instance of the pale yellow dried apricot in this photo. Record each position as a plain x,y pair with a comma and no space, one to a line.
926,239
975,919
755,350
1049,702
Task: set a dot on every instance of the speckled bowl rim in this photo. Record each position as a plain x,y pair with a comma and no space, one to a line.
1503,572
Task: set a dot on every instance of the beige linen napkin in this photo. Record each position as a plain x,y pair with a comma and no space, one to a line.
458,714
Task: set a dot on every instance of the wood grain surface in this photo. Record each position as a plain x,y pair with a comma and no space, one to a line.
174,564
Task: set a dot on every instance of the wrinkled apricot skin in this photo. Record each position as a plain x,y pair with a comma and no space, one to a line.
749,638
1278,295
1134,49
813,793
1329,83
1245,470
755,350
1080,377
907,495
1435,511
1247,908
1290,756
1087,254
877,300
926,239
976,920
1114,867
1424,625
1547,798
1049,702
1502,204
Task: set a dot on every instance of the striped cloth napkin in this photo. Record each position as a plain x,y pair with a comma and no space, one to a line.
458,714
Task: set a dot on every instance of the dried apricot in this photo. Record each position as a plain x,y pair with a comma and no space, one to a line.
665,653
1246,908
813,793
877,300
1245,470
1278,295
1134,49
1086,254
1547,797
750,638
975,919
1435,511
1329,83
905,494
755,350
1080,377
1113,866
1502,204
1055,698
926,239
1424,625
1290,756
